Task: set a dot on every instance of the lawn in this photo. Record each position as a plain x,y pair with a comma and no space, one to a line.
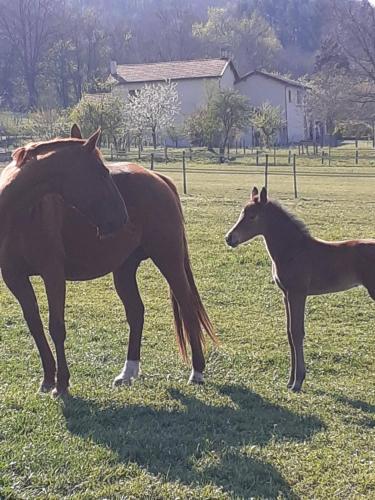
241,435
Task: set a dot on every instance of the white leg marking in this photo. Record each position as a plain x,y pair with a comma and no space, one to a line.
196,377
129,373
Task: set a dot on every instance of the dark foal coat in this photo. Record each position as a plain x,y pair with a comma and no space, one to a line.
302,265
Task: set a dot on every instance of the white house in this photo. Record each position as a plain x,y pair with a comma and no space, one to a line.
193,79
288,95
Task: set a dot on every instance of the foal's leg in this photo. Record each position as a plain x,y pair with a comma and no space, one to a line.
291,346
297,303
54,281
22,289
174,271
127,289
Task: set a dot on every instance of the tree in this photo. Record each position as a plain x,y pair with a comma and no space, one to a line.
154,108
251,39
104,111
45,124
231,111
268,120
28,26
226,112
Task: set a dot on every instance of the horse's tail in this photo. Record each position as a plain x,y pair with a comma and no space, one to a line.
199,309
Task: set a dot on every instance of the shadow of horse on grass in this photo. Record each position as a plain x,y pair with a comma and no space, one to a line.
199,444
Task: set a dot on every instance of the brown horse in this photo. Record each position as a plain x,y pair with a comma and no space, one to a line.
302,265
68,246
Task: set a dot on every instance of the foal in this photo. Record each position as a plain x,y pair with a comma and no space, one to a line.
302,265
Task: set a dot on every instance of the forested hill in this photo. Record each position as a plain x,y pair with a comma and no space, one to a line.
52,50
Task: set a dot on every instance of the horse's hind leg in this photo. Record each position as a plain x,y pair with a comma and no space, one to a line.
22,289
173,270
127,289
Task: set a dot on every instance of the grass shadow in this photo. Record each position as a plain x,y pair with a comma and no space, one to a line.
201,444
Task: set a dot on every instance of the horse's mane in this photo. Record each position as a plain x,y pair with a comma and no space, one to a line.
29,152
287,220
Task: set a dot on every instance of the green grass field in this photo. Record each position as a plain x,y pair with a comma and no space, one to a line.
242,435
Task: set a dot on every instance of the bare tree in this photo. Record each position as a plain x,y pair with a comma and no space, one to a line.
28,25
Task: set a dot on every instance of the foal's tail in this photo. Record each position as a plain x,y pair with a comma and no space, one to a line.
205,324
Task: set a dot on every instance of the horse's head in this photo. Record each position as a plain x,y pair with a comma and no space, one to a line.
89,187
251,220
74,168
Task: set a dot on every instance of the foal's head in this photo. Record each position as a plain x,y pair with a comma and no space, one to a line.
75,170
251,221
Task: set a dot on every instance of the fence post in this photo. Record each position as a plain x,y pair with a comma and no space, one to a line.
244,147
257,158
228,150
356,156
236,148
322,157
289,157
111,152
299,150
329,155
266,172
274,156
166,154
152,161
190,154
295,176
184,171
373,134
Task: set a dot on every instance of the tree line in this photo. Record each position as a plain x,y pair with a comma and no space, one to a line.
52,52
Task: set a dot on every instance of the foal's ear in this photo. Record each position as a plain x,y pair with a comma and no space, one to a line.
254,193
263,196
75,132
92,141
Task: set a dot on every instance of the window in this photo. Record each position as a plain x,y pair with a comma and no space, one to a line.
290,95
299,97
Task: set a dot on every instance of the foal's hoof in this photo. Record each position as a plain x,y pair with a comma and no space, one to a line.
196,378
60,393
46,387
119,381
295,388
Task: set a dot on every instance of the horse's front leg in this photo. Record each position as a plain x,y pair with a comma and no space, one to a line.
291,346
54,281
296,302
19,284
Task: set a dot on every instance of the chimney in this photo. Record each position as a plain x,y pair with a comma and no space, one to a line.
226,53
113,68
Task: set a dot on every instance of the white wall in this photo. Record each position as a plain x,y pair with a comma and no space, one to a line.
257,88
260,89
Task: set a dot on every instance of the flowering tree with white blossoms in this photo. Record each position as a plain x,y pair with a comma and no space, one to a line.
154,108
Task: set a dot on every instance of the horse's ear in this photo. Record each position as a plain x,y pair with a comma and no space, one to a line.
263,196
75,132
254,193
23,155
92,141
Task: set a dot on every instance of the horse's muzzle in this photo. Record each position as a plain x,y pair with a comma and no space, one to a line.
230,240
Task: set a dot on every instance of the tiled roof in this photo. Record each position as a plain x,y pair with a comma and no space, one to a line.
173,70
273,76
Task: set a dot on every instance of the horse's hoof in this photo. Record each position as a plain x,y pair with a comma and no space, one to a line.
130,372
46,387
196,378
